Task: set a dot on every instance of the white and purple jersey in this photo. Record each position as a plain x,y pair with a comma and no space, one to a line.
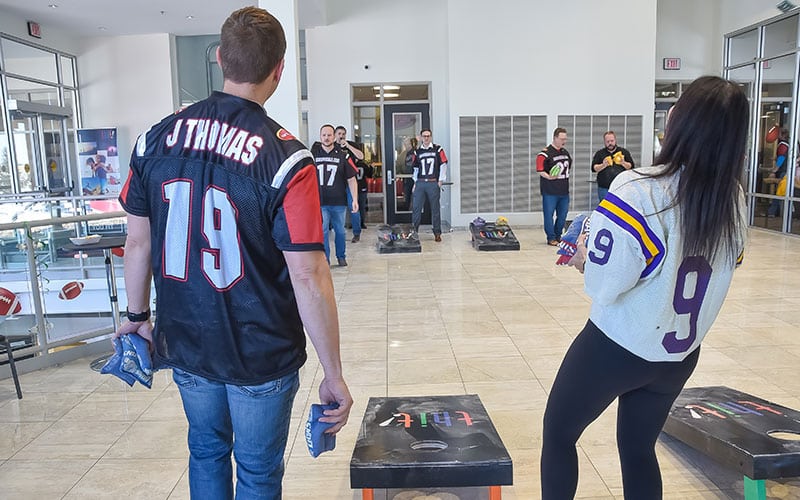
646,296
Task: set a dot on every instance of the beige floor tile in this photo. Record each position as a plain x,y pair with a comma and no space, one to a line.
15,436
73,440
482,369
125,478
152,440
422,371
39,407
41,479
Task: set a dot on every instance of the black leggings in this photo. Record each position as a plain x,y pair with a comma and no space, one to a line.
594,372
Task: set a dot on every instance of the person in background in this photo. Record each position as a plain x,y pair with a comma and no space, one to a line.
657,274
609,162
554,164
357,218
231,233
429,173
337,177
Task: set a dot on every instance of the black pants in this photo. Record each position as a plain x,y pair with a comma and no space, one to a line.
594,372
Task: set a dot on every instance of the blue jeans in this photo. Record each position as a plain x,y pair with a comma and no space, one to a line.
251,421
601,193
558,205
333,215
355,218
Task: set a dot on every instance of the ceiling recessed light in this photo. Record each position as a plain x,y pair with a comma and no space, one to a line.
102,28
53,6
190,17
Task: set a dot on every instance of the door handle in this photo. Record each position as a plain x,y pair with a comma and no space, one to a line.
389,177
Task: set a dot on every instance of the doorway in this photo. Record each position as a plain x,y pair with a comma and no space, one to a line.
403,123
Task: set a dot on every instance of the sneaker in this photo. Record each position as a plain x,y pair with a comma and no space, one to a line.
363,226
437,237
553,243
342,262
356,238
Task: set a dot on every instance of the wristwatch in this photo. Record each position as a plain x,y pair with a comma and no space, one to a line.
137,317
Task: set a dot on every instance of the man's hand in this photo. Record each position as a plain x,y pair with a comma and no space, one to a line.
143,328
355,206
335,390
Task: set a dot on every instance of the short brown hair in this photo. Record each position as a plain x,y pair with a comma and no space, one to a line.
610,132
558,131
252,44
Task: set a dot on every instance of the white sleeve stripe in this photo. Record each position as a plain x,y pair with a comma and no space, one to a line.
288,164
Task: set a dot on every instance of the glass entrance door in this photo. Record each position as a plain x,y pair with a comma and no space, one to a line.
403,123
40,153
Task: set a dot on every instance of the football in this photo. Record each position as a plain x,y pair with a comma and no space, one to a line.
772,134
9,304
556,170
70,290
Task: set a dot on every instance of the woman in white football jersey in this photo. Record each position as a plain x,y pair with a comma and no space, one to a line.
658,262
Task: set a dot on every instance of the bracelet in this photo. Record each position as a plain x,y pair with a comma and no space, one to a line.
137,317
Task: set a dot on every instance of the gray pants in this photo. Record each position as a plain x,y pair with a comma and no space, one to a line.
430,191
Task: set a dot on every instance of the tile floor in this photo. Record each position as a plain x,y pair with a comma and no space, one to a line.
450,320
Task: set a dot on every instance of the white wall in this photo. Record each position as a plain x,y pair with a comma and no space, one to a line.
546,58
694,38
736,14
51,37
387,36
126,83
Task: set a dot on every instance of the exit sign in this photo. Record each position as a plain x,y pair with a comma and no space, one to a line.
672,63
34,29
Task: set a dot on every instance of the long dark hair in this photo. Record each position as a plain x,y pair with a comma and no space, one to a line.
705,140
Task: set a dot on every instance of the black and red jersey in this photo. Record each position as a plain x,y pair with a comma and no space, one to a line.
227,190
558,163
427,163
334,168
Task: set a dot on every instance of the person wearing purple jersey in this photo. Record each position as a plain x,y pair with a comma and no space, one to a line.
658,261
336,172
224,215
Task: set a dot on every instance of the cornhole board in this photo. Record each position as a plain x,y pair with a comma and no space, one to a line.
397,239
743,432
429,442
490,237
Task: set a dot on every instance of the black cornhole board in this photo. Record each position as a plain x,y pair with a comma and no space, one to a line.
395,239
385,454
490,237
731,427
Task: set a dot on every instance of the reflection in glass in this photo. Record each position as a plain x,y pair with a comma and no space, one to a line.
743,47
29,61
406,128
68,71
26,152
22,90
780,37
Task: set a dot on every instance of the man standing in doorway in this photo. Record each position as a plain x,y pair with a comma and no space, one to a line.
336,173
223,212
609,162
553,164
430,171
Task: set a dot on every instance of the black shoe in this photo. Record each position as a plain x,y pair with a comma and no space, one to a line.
363,226
356,238
342,262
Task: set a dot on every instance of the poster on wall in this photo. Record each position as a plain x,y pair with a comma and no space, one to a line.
98,161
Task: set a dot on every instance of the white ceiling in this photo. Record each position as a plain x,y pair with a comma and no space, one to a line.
130,17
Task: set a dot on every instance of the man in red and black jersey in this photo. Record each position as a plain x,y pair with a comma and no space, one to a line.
430,171
336,172
553,164
224,214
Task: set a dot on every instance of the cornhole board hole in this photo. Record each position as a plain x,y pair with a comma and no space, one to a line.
755,437
429,442
490,237
397,239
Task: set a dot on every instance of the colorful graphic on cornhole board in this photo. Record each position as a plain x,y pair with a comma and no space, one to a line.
490,237
98,161
399,238
432,441
754,436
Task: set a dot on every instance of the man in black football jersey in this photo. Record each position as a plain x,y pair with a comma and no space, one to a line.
364,171
430,171
336,173
224,214
609,162
554,164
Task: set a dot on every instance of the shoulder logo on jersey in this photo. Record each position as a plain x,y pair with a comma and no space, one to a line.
285,135
628,219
